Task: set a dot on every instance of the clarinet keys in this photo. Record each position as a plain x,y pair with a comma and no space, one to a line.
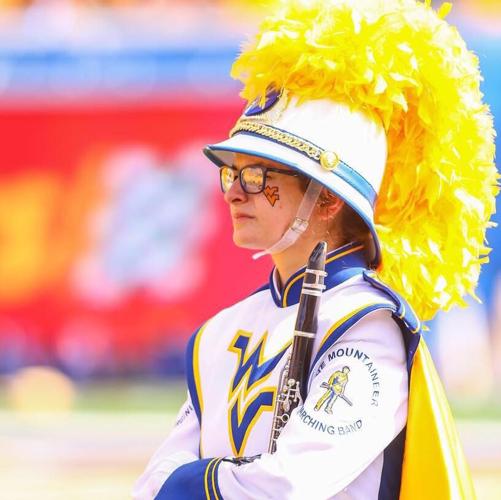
291,395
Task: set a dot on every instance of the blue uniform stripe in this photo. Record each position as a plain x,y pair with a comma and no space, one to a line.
190,375
391,476
192,481
356,181
411,341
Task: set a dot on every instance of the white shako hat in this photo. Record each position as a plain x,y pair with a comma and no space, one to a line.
341,148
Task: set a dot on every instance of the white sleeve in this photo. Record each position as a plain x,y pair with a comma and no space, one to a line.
356,406
181,447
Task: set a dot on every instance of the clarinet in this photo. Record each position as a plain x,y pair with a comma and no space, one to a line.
294,376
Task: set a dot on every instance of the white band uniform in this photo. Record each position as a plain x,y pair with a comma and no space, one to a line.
336,442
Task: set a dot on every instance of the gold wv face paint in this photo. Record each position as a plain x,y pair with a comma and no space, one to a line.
272,194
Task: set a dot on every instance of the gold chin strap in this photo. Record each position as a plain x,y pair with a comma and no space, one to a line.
300,223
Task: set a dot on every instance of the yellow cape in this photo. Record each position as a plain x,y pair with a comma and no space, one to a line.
434,465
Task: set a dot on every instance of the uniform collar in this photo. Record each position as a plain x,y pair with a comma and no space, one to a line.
340,265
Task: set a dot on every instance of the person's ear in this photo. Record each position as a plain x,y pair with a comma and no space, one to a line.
334,207
329,205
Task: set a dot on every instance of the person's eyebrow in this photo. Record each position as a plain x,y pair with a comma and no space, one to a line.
257,164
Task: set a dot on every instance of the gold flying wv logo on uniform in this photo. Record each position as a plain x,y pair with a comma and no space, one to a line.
249,396
334,390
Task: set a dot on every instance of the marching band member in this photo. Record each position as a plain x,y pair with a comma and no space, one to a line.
365,128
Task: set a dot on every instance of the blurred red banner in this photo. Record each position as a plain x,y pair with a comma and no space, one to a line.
115,239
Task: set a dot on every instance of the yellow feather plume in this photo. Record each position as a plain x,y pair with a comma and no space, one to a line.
400,60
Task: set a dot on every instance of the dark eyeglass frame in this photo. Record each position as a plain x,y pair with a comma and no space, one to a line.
264,171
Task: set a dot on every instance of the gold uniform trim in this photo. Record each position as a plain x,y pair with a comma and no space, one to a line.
290,140
206,478
214,490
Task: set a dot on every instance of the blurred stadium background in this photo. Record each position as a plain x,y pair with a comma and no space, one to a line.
115,244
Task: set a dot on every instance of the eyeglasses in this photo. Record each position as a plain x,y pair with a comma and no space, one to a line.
252,178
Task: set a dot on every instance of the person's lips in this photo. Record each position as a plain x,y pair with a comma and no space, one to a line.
241,216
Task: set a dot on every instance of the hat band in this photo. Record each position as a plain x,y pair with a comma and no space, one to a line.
306,148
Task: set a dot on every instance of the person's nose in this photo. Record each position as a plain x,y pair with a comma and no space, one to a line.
235,194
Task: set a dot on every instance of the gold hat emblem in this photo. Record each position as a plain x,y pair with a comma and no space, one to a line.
329,160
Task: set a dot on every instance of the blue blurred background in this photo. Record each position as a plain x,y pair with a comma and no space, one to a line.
115,244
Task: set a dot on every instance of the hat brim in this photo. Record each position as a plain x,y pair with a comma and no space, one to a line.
245,143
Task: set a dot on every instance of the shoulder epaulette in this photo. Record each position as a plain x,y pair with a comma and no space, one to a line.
403,311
